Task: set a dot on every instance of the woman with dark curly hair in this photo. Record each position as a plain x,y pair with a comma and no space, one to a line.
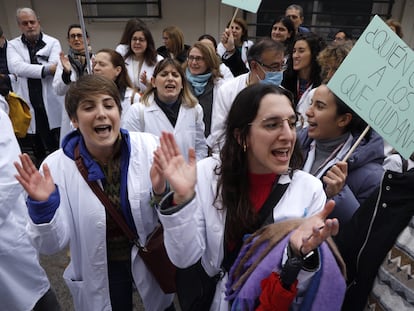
283,30
141,57
304,72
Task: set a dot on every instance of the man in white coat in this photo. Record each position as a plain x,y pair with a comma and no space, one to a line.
33,58
23,282
266,63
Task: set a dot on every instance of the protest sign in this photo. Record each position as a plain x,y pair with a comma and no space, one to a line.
248,5
376,80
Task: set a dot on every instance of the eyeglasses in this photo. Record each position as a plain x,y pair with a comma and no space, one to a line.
195,58
274,67
134,39
274,124
76,35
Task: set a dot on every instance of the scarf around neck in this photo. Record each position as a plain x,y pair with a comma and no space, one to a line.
78,61
198,82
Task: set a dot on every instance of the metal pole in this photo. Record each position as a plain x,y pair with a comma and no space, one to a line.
85,38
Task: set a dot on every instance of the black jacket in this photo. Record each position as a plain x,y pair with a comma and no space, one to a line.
366,239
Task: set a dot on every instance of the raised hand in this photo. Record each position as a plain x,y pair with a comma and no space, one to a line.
228,40
169,164
39,187
308,234
335,179
314,230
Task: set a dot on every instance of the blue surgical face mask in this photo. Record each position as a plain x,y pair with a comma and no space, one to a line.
273,78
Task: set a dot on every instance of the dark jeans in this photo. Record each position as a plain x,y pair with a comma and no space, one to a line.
120,286
48,302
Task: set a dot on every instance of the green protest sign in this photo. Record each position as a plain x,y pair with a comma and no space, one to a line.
376,80
248,5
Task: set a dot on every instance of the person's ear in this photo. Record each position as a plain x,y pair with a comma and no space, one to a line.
238,138
75,122
344,120
153,82
118,70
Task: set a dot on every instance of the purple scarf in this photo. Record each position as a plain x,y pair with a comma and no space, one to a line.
328,296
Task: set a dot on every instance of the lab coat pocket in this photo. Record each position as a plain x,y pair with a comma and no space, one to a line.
76,286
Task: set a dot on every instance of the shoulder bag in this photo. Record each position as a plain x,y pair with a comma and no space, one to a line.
153,253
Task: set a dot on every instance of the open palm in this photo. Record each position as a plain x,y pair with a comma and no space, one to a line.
172,165
38,186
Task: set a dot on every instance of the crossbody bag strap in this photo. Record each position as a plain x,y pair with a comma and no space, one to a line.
266,212
265,216
119,220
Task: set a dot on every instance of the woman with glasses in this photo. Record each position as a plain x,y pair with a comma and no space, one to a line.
169,105
303,72
125,40
71,67
141,57
218,200
202,71
211,41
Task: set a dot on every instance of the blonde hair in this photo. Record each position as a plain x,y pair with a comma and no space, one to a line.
187,97
176,37
210,58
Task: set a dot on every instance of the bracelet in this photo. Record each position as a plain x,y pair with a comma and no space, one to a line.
304,257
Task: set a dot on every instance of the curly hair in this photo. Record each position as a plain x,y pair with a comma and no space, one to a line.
150,54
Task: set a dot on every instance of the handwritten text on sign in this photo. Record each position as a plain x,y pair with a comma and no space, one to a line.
377,81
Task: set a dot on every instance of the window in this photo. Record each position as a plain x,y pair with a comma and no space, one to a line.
107,9
325,17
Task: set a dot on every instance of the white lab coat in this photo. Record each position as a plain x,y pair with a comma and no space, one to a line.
61,88
188,131
223,100
145,67
19,63
131,97
303,105
22,280
197,230
81,221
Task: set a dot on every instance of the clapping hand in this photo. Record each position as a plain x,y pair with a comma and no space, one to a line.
67,67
